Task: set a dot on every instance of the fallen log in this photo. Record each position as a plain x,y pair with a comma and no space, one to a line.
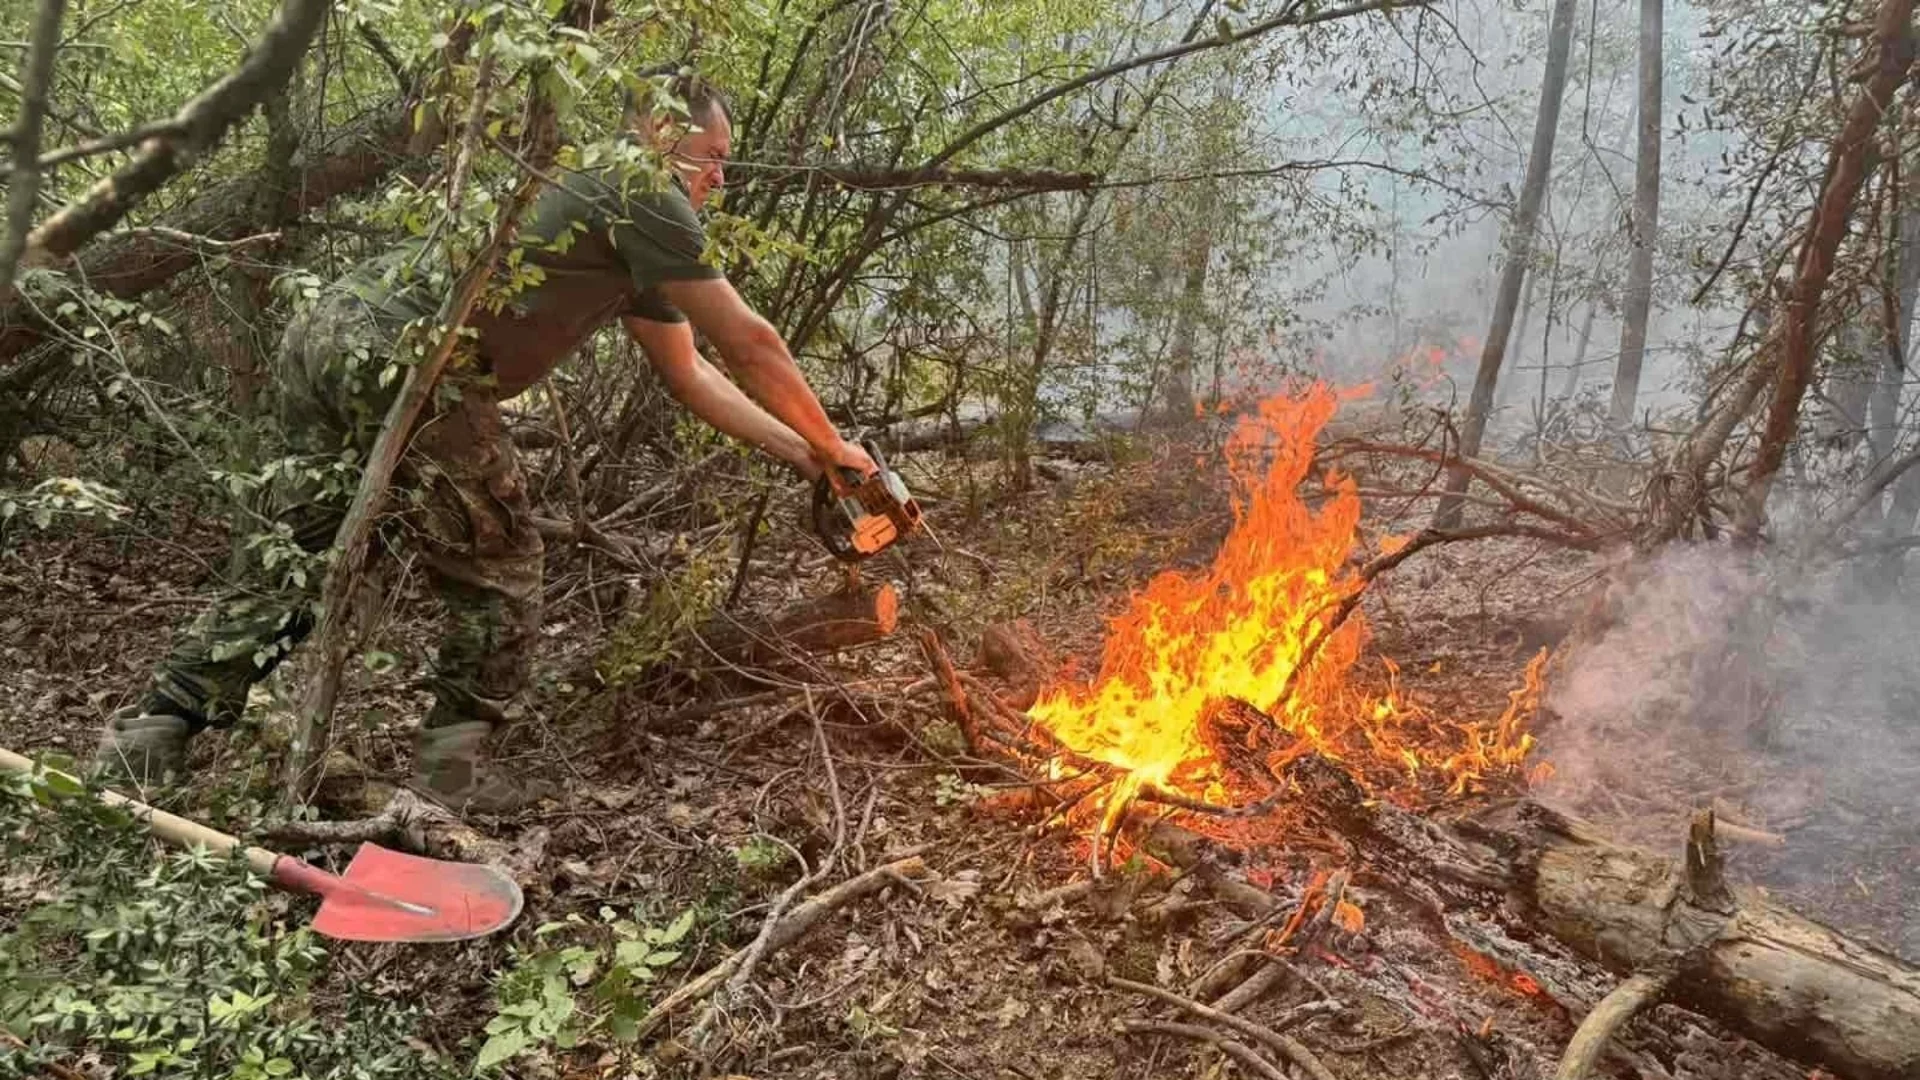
839,620
1790,984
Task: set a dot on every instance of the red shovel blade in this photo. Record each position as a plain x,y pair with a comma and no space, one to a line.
392,896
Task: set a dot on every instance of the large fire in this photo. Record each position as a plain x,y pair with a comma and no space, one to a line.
1191,644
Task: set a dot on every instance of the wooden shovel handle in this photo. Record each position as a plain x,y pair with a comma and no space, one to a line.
169,827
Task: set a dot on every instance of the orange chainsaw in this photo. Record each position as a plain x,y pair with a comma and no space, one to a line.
876,511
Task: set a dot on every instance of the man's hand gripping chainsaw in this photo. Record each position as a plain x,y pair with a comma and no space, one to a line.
876,511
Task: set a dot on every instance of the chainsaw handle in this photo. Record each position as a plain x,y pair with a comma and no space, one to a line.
175,830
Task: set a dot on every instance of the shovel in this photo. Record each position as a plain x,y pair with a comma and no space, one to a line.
384,895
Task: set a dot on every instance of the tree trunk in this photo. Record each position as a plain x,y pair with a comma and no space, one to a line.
1511,385
1572,382
1851,376
1849,162
1645,229
1186,327
1519,251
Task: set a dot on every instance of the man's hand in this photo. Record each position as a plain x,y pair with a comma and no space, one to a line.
845,455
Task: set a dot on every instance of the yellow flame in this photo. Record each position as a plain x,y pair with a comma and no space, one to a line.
1238,630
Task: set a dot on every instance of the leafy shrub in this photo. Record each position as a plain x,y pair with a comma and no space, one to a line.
176,967
613,965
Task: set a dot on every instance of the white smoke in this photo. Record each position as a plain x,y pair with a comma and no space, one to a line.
1787,692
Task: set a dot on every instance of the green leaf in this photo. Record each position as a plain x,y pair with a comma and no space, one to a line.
676,929
662,959
279,1066
499,1048
631,953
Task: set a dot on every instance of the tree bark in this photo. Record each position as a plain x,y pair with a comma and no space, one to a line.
1519,252
1884,410
840,620
1645,230
1186,328
1848,164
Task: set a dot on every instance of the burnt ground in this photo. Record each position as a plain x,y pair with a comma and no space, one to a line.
682,787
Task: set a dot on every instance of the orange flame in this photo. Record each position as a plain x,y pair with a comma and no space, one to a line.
1242,629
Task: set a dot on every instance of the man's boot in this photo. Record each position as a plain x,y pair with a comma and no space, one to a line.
452,769
143,747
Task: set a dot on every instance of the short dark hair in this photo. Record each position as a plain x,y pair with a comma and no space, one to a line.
700,97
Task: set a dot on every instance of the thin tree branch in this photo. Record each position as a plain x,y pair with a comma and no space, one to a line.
880,178
384,50
105,144
1289,16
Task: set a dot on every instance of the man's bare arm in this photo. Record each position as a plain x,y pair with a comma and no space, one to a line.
757,356
714,398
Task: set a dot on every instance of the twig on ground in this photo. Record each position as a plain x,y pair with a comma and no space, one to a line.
1614,1010
1063,894
1292,1049
901,871
738,981
1251,989
1245,1055
393,823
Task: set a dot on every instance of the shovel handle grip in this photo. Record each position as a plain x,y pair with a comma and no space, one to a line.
169,827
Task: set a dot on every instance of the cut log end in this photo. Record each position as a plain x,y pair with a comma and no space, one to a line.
842,619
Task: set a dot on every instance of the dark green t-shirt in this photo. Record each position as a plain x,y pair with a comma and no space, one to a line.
603,244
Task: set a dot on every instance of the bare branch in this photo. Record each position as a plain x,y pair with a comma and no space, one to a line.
883,178
1289,16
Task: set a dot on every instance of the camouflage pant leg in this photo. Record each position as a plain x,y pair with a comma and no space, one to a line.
265,607
474,523
465,510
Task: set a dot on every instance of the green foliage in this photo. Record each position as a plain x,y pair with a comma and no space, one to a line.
761,857
62,497
175,966
675,604
601,983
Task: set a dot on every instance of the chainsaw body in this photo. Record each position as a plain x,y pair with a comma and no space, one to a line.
877,511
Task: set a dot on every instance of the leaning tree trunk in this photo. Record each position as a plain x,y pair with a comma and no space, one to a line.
1645,231
1519,251
1849,163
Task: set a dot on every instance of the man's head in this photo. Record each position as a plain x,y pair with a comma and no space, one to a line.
695,139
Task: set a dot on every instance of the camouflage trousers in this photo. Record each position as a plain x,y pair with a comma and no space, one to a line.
459,508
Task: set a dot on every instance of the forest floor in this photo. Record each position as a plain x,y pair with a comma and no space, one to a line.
681,793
